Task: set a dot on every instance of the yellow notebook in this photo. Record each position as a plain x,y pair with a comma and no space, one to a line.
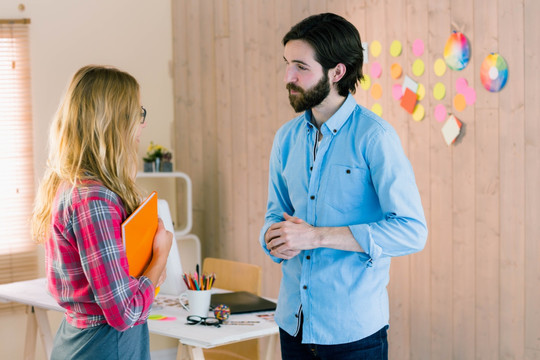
138,232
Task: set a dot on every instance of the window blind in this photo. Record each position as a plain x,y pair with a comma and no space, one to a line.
18,252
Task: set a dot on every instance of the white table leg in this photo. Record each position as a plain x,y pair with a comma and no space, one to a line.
271,347
44,330
31,332
187,352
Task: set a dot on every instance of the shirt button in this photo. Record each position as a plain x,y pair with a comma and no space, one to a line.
335,131
311,168
348,171
312,197
308,257
305,287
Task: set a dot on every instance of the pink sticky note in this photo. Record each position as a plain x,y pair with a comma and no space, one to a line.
440,112
461,85
470,95
418,47
375,70
397,91
168,318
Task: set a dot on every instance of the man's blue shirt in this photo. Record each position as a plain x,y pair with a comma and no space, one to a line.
357,176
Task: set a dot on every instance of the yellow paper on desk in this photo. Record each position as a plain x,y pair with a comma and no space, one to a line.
138,232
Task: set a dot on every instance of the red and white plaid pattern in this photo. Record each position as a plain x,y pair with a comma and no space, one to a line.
86,263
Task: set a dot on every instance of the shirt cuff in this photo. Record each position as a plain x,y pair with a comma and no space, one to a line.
145,284
362,234
263,244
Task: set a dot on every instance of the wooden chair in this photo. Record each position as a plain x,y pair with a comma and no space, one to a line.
234,276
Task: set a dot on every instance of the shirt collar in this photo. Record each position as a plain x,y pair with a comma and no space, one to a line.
339,118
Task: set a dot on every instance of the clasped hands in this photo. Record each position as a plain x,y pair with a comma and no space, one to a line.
287,238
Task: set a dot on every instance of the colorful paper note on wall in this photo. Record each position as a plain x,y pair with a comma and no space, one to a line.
418,47
365,51
375,47
408,101
440,112
439,67
395,48
395,71
376,70
409,83
451,130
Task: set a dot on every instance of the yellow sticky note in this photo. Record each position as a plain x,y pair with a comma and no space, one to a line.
418,112
395,48
439,91
377,109
375,48
439,67
366,83
421,92
418,67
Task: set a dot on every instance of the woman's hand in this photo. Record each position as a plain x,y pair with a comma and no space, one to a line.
162,241
160,251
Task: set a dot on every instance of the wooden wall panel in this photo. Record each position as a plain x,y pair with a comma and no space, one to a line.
473,291
512,174
399,291
463,201
419,135
532,174
442,222
487,191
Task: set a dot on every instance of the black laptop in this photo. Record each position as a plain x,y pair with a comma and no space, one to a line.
242,302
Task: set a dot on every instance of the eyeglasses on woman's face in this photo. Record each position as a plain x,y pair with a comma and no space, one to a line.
143,115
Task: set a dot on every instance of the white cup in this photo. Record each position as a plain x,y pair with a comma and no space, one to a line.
198,302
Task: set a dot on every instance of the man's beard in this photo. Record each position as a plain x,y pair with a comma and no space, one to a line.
307,99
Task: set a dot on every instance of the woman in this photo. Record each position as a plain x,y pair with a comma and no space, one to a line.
87,191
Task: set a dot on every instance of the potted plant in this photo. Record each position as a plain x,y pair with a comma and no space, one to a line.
152,160
166,163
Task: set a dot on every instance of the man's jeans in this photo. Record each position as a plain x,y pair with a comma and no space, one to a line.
373,347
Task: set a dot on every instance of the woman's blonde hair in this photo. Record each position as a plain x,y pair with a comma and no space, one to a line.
92,137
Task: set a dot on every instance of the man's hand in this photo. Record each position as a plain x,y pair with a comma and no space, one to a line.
286,239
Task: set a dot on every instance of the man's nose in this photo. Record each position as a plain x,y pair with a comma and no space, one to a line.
290,75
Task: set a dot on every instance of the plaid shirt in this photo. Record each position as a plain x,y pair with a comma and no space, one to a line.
86,262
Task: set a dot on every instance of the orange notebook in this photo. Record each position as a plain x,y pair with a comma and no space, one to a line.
138,232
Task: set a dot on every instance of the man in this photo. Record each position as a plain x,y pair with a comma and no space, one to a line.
342,201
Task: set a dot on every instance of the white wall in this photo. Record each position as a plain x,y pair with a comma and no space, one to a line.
133,35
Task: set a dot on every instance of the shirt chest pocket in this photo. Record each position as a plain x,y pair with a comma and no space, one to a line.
348,188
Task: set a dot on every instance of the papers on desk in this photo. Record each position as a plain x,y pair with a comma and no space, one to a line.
256,325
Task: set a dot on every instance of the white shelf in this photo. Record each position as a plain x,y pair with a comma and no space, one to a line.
180,175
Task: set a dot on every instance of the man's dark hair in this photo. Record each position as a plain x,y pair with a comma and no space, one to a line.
335,40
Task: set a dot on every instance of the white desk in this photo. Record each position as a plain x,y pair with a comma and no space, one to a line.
192,338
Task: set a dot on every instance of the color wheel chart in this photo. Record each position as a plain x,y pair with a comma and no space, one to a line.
494,72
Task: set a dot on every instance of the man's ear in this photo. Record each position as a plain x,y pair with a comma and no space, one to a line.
337,72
